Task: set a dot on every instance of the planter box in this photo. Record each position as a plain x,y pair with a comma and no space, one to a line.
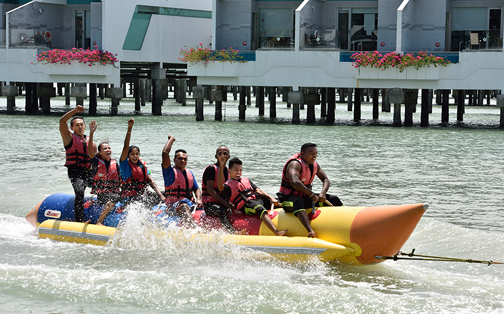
430,73
77,68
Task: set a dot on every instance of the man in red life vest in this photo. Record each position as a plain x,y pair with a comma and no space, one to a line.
107,177
213,203
245,195
179,183
77,157
296,189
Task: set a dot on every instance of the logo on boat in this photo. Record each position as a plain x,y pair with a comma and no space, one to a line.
52,213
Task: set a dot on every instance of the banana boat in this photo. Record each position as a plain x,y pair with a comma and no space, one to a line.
350,235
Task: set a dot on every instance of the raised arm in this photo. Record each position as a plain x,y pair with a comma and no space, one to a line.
220,177
66,135
124,153
92,129
166,152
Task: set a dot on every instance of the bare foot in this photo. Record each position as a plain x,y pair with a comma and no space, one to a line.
281,233
241,232
86,222
312,234
99,223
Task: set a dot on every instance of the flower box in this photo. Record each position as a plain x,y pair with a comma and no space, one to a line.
409,73
76,68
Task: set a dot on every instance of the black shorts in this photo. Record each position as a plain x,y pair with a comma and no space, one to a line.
104,198
294,204
255,208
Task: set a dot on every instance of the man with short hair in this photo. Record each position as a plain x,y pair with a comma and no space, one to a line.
296,189
78,162
179,183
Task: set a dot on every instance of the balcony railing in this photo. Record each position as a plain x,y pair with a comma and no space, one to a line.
476,40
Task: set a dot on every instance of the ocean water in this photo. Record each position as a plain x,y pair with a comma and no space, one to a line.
457,170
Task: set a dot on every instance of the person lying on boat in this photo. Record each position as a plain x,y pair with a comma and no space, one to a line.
213,203
296,189
179,184
77,157
135,175
245,195
107,176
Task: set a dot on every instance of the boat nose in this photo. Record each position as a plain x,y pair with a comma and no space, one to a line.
383,230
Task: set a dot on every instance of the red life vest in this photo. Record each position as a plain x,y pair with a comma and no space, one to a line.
306,176
106,181
206,197
241,192
137,182
181,187
77,154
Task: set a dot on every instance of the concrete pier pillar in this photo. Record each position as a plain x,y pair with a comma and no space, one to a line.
376,106
460,105
424,114
142,83
445,98
342,94
260,99
60,88
67,93
11,92
101,91
248,90
311,99
182,92
323,103
500,104
79,91
136,93
410,102
158,76
357,106
148,91
395,96
385,100
242,106
285,96
35,97
198,93
234,90
115,94
331,105
29,108
349,104
45,92
272,96
217,97
93,101
295,98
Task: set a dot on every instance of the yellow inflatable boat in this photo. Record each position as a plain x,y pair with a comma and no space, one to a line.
351,235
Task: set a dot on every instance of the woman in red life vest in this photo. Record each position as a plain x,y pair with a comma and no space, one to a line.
107,177
244,195
135,175
77,157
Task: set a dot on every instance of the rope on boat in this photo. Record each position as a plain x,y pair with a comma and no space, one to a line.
418,257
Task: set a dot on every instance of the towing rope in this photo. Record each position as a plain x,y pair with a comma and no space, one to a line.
417,257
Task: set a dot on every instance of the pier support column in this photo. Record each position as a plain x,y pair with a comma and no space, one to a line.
349,104
311,99
376,107
79,91
93,101
60,88
158,77
395,96
67,93
385,100
29,107
260,99
249,95
357,106
272,96
182,92
199,93
142,83
11,92
410,102
115,94
445,98
460,105
45,92
295,98
342,94
136,93
242,105
216,95
424,114
500,104
323,103
331,105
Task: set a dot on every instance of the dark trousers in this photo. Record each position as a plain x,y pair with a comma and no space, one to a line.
80,179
